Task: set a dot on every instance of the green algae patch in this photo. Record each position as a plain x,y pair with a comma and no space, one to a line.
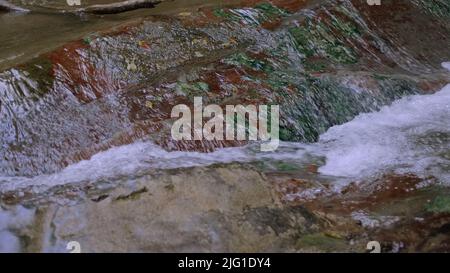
193,89
87,40
321,242
40,71
203,86
243,60
286,166
302,41
261,13
326,39
310,42
271,11
438,8
226,14
440,204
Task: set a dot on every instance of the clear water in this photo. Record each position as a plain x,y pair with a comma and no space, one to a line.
26,35
410,136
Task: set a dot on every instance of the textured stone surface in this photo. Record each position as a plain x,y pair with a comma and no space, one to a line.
228,209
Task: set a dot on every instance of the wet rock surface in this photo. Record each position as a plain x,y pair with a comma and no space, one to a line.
113,88
230,208
224,208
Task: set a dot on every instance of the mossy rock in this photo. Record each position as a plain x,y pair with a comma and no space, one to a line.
439,8
39,71
286,167
440,204
193,89
226,14
322,242
242,59
271,11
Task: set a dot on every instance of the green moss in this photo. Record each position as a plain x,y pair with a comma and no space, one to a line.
348,28
440,204
280,79
285,167
270,10
39,70
311,104
321,242
286,134
320,40
193,89
315,66
380,77
242,59
302,41
203,86
439,8
340,53
226,14
87,40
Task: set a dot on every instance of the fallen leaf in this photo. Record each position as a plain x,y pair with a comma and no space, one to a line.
143,44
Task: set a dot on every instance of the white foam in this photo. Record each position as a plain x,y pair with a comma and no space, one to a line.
122,161
141,156
446,65
9,243
14,219
411,135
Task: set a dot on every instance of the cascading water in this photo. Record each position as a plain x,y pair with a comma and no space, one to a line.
358,101
409,136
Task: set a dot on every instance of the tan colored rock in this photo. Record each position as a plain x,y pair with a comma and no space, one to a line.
226,209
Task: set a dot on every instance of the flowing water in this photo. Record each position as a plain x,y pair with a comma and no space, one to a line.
322,65
27,35
411,136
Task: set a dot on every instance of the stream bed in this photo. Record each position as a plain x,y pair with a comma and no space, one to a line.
86,153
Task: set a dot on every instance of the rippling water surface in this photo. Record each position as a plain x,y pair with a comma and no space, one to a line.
24,36
410,136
